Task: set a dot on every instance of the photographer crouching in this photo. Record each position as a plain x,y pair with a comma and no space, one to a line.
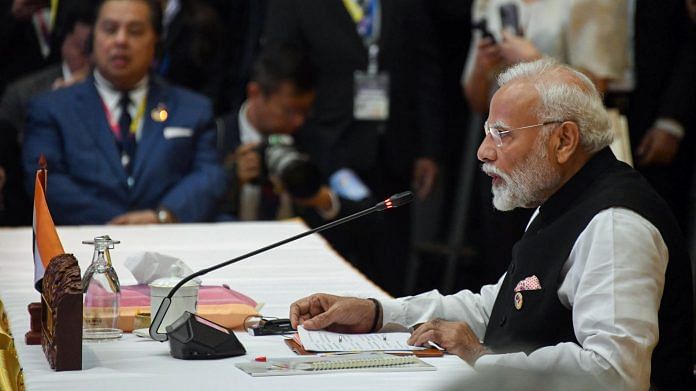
267,176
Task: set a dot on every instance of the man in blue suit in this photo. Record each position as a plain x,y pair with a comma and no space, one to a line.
124,147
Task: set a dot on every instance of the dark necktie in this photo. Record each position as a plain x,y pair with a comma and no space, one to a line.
127,138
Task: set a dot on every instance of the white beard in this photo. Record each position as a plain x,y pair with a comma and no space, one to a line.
529,183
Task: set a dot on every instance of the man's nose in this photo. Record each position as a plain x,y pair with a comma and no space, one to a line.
487,151
121,35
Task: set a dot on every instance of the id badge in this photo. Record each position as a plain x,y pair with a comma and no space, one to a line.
371,100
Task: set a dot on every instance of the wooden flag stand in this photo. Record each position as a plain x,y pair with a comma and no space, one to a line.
61,297
61,314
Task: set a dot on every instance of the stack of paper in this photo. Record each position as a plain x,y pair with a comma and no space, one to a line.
326,341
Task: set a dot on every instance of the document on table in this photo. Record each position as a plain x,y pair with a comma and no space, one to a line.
352,362
326,341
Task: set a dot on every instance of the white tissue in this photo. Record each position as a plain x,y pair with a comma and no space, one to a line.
149,266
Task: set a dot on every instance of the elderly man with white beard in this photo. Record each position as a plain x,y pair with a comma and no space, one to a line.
599,286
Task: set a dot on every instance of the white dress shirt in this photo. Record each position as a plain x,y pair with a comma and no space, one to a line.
111,98
250,193
612,282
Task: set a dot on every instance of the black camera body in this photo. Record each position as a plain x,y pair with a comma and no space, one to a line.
298,175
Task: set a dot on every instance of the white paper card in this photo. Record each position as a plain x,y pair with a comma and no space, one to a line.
326,341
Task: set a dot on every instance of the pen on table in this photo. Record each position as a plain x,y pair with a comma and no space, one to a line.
329,354
436,346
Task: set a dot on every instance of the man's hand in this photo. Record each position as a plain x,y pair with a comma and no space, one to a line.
515,49
455,337
248,163
321,200
424,175
334,313
487,56
487,64
658,148
136,217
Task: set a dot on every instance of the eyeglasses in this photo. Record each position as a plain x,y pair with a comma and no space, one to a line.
498,132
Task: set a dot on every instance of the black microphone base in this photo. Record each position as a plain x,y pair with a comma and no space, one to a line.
194,338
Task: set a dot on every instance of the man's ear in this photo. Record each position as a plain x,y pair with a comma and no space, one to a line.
568,137
253,90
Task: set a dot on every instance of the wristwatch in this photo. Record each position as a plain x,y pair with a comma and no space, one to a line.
164,216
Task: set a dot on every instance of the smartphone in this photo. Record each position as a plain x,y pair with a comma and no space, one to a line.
264,326
510,18
482,26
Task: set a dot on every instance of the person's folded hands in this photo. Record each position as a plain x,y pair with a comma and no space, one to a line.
146,216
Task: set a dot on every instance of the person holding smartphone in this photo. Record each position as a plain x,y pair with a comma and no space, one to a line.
586,34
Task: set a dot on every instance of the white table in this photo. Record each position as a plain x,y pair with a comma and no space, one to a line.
275,278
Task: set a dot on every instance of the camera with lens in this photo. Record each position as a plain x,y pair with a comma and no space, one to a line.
299,176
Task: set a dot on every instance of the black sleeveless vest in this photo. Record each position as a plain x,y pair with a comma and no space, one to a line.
542,320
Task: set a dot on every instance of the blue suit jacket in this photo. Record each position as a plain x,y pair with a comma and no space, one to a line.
87,183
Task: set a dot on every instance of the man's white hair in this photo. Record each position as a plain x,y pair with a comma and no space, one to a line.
565,94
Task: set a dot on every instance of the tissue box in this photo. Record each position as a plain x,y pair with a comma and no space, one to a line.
219,304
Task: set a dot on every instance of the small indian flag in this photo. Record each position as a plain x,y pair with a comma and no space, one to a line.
46,241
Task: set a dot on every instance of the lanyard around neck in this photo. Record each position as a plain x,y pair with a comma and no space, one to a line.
135,124
354,9
368,21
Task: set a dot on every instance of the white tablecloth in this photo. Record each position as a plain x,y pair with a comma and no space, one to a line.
275,278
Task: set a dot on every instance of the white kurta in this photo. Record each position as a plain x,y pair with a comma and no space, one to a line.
612,282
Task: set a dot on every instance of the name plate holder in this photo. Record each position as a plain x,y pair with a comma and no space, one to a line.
61,314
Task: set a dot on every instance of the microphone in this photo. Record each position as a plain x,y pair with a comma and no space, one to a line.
218,341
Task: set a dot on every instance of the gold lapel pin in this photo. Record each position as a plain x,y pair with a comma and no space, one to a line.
159,113
519,300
